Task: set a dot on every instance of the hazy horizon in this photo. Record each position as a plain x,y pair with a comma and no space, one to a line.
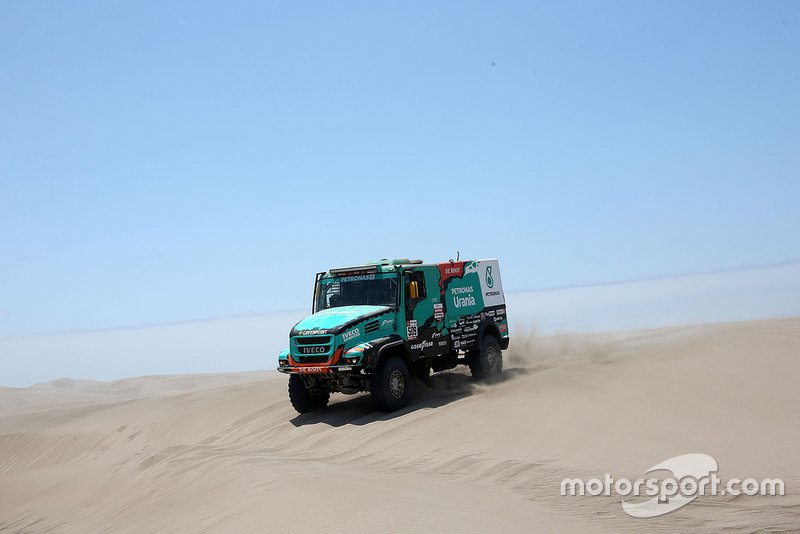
251,342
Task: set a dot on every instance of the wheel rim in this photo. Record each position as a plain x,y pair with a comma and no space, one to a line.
397,384
491,358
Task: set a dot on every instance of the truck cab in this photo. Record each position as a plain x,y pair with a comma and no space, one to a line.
373,326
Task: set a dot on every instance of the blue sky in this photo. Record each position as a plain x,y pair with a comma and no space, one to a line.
166,161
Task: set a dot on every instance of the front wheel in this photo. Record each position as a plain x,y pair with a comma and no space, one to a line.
389,384
304,400
486,362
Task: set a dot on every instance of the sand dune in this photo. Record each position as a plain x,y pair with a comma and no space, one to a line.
228,454
71,391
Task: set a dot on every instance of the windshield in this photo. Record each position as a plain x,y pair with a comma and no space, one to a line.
369,289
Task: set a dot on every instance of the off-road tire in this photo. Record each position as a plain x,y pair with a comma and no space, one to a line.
487,362
389,384
303,400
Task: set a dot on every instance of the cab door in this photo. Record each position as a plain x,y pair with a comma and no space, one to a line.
414,289
423,315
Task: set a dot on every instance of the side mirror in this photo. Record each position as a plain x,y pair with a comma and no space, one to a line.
413,289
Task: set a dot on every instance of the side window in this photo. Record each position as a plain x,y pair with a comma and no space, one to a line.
419,278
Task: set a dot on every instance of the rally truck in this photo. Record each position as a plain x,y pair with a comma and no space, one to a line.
374,326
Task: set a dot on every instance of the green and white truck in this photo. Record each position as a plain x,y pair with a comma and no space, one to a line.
375,325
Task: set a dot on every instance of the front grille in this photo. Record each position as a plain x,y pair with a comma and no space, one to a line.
312,349
313,359
313,340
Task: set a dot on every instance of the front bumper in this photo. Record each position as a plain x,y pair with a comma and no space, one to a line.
320,369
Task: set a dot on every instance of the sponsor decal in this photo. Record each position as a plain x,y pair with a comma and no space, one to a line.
489,279
450,270
492,294
443,343
313,332
312,350
463,302
359,278
503,328
411,329
438,311
463,334
461,290
422,345
387,322
313,370
347,336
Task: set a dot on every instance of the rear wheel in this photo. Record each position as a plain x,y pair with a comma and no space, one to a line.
304,400
389,384
488,360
